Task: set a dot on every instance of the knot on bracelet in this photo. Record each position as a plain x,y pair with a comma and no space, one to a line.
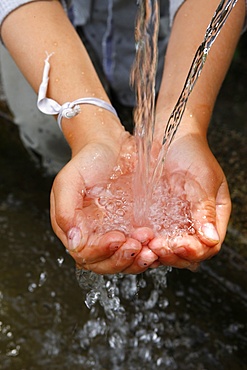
69,110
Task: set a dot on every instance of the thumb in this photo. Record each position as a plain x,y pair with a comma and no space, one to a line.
67,217
211,214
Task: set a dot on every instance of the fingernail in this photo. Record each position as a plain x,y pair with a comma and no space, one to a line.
114,246
210,232
74,238
129,254
142,264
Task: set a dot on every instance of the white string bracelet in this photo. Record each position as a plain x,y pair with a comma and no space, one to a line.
68,109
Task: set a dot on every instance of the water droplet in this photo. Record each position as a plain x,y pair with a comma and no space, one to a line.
120,212
42,278
32,287
60,261
14,352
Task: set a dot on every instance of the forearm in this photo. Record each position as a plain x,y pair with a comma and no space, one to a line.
39,27
187,34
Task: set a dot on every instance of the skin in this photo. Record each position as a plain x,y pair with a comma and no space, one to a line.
211,203
97,138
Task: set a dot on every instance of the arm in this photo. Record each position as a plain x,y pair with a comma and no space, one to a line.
187,34
95,136
189,155
39,27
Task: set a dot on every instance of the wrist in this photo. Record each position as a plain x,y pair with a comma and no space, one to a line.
193,121
92,125
97,119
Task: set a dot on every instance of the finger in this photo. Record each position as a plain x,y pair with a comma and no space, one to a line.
142,262
168,258
190,248
223,209
57,230
67,205
181,251
143,235
155,264
98,247
119,261
211,217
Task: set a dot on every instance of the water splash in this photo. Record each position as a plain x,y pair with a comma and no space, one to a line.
130,333
12,347
168,215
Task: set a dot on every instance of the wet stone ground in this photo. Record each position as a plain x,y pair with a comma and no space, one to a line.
43,319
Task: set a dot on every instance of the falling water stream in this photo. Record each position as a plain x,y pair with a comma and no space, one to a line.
143,79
